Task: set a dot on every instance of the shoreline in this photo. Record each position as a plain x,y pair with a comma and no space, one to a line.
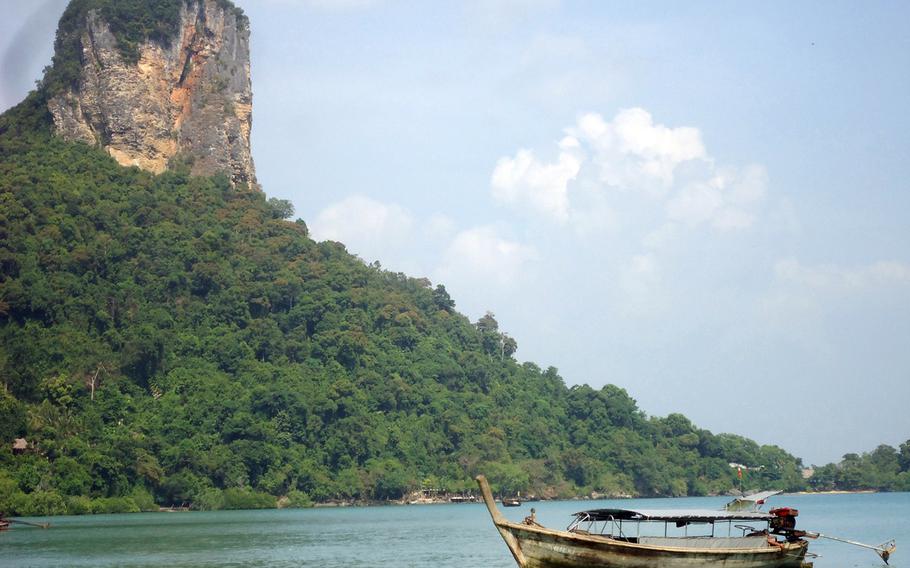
837,492
432,501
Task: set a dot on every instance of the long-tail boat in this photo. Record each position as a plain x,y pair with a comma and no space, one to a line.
614,538
5,523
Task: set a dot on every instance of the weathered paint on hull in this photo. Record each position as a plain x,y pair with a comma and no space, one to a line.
542,548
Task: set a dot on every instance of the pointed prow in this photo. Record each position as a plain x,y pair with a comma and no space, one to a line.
500,521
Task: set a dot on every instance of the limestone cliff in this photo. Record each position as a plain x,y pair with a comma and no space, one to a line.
187,97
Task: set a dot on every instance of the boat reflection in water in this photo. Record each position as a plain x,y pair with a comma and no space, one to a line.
625,538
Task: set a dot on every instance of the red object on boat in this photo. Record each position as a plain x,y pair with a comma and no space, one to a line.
785,512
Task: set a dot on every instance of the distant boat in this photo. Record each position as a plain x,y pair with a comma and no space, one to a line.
5,523
462,499
611,538
511,502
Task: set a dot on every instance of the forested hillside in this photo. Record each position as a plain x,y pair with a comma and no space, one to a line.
884,469
172,339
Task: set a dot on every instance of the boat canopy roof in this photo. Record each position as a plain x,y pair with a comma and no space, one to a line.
750,502
671,515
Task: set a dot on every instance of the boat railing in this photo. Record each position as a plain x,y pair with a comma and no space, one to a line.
613,528
590,526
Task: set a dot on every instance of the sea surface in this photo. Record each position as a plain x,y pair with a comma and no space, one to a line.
438,536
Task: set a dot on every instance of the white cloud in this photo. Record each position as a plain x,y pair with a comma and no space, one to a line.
599,161
727,200
482,258
631,152
368,227
591,213
543,187
696,203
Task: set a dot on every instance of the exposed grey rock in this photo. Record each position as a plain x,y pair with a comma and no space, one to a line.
192,99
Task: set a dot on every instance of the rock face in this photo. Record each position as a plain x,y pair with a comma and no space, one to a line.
190,100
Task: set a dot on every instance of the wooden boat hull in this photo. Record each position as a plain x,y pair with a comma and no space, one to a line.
543,548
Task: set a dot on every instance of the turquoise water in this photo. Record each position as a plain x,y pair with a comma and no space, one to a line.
441,536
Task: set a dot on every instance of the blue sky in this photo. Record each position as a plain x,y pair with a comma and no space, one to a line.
704,203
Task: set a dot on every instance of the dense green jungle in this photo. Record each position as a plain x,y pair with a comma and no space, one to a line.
176,340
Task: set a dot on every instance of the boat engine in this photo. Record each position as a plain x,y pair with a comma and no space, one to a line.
783,520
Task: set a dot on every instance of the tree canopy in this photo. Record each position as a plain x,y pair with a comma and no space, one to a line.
883,469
